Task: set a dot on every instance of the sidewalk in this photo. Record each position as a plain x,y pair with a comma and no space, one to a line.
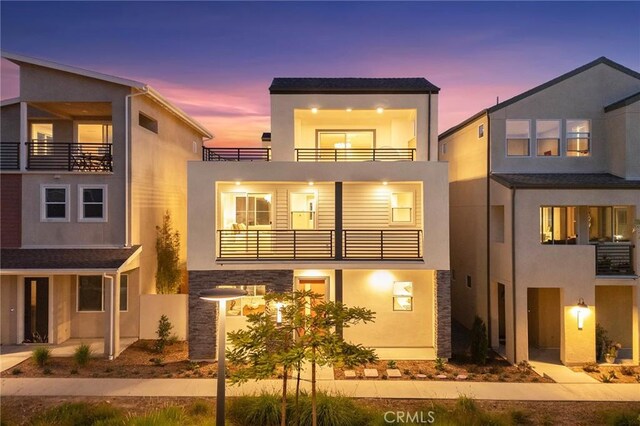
356,388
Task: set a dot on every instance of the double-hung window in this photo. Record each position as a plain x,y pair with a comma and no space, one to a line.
578,138
402,208
548,138
518,136
92,203
54,203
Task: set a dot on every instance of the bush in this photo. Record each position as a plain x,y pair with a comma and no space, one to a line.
82,354
440,364
200,408
170,416
479,341
79,414
163,332
41,356
627,370
168,273
392,364
333,410
623,418
602,342
263,409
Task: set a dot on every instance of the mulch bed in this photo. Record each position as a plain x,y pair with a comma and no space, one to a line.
612,373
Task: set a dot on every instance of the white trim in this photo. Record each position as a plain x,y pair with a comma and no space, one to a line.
566,139
105,197
78,294
43,206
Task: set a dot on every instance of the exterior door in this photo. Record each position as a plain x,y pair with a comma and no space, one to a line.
36,310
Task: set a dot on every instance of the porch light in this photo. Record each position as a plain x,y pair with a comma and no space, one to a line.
314,110
379,110
582,310
221,295
279,306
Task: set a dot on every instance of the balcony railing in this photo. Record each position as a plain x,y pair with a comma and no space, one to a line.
236,154
355,154
84,157
308,245
614,259
383,244
9,156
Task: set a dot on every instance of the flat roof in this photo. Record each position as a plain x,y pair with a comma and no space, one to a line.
564,181
351,85
72,258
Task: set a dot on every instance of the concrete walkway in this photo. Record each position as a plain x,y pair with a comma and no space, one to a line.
357,388
546,362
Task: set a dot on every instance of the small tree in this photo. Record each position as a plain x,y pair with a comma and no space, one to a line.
479,341
163,332
168,273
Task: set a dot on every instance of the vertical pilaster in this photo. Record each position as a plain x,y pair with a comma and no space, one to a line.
338,294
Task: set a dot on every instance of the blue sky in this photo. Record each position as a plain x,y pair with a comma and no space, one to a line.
216,60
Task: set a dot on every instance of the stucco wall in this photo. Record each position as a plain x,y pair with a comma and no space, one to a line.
614,312
623,137
153,306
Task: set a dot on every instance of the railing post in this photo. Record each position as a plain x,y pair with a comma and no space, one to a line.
418,235
220,243
294,245
238,151
381,244
374,154
335,155
69,165
203,154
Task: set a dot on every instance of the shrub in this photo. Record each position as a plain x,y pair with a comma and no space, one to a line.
82,354
79,414
440,364
392,364
591,367
466,405
262,409
602,342
524,366
163,332
479,341
199,408
168,273
334,410
41,356
623,418
170,416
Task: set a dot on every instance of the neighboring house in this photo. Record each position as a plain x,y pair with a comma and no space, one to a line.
346,199
545,208
89,162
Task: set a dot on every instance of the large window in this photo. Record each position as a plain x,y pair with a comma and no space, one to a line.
54,203
518,135
90,294
609,224
345,139
252,303
92,203
558,225
94,133
402,208
41,138
548,138
302,207
578,138
242,211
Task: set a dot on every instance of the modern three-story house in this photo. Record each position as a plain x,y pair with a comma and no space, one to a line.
346,198
89,164
545,208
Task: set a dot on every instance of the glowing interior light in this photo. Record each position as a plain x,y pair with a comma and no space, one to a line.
380,110
314,110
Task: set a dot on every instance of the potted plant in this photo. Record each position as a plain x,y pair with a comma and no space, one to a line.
612,352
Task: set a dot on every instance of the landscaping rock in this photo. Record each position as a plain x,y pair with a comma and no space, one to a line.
441,376
421,376
349,374
461,377
371,373
393,373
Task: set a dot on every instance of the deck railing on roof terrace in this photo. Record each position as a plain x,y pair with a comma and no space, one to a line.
236,154
355,154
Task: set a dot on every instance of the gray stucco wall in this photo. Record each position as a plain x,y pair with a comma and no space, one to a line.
203,315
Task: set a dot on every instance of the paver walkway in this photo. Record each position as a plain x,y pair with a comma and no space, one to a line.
354,388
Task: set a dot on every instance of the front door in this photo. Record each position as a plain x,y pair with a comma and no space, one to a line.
316,285
36,310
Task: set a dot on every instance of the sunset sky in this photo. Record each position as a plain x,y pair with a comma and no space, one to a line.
217,60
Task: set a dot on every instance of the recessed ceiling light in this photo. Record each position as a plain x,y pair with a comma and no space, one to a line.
314,110
310,183
237,183
380,110
349,109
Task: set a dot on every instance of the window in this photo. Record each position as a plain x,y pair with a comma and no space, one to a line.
54,203
147,122
481,131
94,133
402,207
444,147
342,139
41,138
578,138
609,224
124,292
518,138
558,225
548,138
90,293
253,209
302,207
252,303
92,203
402,296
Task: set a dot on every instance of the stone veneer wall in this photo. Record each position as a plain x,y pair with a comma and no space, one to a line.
442,299
203,315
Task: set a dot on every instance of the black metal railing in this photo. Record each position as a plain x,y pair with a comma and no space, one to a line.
276,244
614,259
236,154
10,156
355,154
307,245
383,244
84,157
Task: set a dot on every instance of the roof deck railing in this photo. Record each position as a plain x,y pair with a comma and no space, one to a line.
236,154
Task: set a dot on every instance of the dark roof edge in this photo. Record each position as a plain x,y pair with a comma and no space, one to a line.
504,182
623,102
353,91
465,123
600,60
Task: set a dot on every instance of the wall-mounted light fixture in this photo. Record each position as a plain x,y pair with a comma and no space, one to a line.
582,310
279,306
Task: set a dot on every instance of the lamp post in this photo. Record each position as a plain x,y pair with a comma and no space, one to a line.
221,295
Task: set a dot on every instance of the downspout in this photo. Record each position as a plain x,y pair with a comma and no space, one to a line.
127,136
112,318
513,269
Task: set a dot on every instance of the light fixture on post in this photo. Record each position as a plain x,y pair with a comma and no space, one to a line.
279,306
221,295
581,312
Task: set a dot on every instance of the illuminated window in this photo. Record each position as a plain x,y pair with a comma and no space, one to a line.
558,225
548,138
252,303
241,211
403,296
41,138
341,139
518,134
610,224
578,138
402,208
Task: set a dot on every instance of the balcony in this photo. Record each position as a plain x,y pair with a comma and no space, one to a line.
10,156
312,245
614,259
236,154
84,157
355,154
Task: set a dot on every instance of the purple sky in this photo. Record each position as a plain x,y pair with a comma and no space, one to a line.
216,60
